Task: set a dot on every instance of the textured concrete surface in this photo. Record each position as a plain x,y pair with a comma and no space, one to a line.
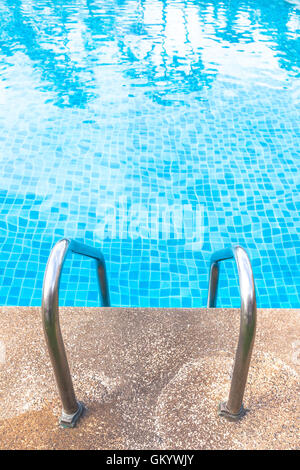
150,378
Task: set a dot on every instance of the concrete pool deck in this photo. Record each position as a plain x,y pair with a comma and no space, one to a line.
150,378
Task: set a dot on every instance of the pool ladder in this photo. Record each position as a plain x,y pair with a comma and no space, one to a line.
72,409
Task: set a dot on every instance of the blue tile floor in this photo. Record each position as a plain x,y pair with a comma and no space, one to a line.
109,110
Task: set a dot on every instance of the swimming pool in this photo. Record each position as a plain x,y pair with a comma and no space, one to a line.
119,107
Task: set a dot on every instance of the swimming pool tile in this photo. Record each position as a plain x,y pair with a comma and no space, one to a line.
167,127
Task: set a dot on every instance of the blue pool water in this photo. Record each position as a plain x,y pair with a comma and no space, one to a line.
110,110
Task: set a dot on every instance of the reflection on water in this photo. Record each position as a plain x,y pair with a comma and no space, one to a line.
152,102
169,48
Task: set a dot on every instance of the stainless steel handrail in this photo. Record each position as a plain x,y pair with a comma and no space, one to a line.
71,408
233,409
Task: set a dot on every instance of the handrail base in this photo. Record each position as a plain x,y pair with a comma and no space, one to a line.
70,421
223,411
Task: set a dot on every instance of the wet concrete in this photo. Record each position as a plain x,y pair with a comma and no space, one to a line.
150,378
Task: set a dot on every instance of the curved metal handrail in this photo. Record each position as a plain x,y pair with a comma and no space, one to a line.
72,409
233,409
